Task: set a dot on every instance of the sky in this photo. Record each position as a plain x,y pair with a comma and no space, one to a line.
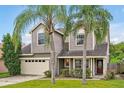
9,13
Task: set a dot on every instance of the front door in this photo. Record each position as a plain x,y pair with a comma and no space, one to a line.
99,66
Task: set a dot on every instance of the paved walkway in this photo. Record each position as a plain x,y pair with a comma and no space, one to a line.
17,79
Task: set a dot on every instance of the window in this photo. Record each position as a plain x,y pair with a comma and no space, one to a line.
80,39
41,38
39,60
43,60
66,63
77,63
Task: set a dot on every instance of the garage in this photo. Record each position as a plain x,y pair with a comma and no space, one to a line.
34,66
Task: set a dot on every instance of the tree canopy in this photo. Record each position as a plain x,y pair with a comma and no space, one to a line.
10,56
117,52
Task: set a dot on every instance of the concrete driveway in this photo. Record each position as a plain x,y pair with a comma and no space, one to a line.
17,79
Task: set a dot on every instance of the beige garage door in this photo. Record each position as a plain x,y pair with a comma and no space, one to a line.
34,66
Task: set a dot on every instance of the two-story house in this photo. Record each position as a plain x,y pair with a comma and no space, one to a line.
35,59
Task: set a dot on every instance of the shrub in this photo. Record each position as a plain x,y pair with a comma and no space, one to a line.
10,56
77,73
109,76
47,73
65,73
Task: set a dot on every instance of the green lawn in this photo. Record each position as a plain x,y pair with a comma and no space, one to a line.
4,74
69,84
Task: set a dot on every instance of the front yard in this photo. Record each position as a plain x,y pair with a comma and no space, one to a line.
69,84
4,74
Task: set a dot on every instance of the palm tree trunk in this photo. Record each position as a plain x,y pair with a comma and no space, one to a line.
52,59
108,46
84,60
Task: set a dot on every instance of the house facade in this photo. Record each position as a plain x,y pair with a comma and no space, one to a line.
2,66
35,58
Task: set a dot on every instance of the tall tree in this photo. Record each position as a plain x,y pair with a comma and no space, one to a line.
49,16
91,18
10,56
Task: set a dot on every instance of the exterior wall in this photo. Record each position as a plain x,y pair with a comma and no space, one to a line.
38,48
42,55
58,42
2,67
58,39
104,66
73,46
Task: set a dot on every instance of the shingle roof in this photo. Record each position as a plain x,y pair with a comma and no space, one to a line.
26,49
100,50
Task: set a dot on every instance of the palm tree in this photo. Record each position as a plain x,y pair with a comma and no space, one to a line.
91,18
49,16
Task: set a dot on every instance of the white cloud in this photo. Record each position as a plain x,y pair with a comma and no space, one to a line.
117,32
26,38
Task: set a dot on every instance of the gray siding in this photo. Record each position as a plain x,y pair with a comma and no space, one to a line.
58,41
38,48
73,46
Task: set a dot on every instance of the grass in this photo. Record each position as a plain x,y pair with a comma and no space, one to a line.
4,74
69,84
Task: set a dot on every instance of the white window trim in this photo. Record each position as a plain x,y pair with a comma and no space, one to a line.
37,39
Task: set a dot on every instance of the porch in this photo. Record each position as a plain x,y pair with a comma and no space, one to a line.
97,66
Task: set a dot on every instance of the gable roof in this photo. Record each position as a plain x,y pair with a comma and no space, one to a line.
26,49
36,26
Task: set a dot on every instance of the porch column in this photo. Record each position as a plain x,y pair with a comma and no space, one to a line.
93,63
91,66
57,66
104,66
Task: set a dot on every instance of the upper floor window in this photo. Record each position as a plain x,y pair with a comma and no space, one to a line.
80,39
41,38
